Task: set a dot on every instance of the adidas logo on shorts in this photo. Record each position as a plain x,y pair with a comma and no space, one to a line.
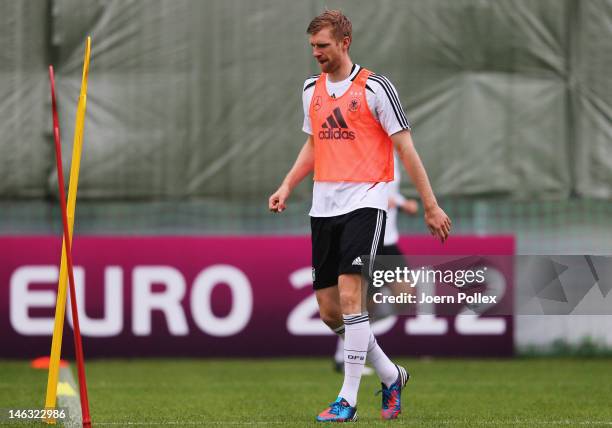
357,262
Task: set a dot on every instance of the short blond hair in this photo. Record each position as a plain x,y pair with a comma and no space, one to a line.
338,22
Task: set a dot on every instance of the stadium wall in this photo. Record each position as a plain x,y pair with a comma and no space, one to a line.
218,296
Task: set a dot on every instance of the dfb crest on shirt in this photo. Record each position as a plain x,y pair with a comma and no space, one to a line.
354,105
317,103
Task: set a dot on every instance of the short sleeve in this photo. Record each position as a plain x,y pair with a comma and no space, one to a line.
388,107
306,98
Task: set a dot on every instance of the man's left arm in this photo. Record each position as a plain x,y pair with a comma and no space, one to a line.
436,219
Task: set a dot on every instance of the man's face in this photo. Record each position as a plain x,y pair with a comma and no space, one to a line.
327,50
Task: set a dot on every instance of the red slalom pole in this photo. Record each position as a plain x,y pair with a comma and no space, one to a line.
78,345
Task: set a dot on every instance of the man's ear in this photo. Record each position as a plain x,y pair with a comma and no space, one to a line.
346,42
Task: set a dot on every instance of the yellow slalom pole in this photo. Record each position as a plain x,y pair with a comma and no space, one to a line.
60,307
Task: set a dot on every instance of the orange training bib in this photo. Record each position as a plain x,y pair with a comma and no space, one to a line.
349,144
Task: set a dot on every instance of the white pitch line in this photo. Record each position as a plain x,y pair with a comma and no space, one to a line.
70,402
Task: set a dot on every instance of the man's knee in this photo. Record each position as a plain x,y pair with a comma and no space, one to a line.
332,317
329,307
350,294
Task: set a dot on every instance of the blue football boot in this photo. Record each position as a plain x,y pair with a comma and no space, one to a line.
338,411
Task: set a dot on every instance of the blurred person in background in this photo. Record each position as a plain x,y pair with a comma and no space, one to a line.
353,119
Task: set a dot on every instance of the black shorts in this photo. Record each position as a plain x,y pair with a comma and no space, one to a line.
344,244
390,250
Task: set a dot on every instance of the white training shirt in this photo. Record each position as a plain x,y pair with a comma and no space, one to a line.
391,232
337,198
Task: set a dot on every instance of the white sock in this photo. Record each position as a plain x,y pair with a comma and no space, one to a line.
339,355
356,338
385,369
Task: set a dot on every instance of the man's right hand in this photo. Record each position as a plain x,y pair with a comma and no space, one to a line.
276,203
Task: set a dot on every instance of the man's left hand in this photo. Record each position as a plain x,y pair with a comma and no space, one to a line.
438,223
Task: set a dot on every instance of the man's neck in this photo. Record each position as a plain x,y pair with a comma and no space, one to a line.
343,72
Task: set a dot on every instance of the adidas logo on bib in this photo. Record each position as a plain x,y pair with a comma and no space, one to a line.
335,128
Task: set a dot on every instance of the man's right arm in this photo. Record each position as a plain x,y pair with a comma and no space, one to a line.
304,164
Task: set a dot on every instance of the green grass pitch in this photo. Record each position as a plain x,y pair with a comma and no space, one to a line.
290,392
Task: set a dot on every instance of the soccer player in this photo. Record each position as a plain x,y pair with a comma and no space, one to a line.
353,119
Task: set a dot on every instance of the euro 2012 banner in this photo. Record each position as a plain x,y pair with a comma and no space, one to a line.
232,296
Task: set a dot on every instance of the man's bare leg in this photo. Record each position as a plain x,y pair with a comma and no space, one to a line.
330,310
